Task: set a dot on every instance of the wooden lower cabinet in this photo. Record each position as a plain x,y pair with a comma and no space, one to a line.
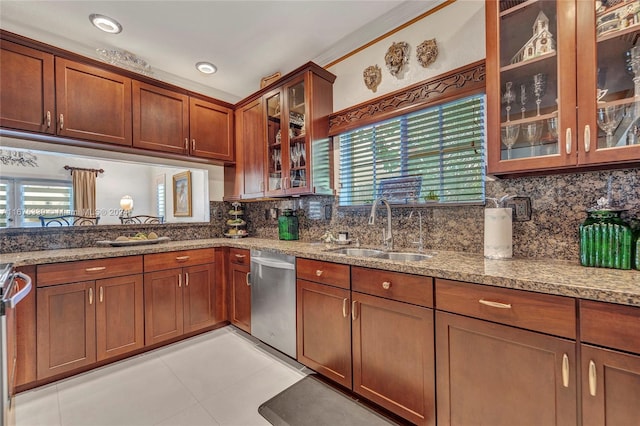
240,289
393,359
66,328
85,322
324,330
26,332
496,375
610,387
178,301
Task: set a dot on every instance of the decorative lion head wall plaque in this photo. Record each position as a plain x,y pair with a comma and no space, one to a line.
372,76
427,52
396,57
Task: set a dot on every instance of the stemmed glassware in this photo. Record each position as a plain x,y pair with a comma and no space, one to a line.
552,124
275,156
532,133
609,119
508,97
303,155
509,135
523,98
539,88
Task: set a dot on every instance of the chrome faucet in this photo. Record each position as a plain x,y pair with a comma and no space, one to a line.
387,236
420,242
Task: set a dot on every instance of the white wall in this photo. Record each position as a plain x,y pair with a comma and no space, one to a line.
459,30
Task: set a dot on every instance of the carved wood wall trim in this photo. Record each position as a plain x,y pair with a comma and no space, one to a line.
457,83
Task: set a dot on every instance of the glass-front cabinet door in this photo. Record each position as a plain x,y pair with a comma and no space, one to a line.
608,63
298,180
276,158
531,84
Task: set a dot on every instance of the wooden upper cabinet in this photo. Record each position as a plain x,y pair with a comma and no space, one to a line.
549,108
92,104
160,119
250,150
211,130
27,101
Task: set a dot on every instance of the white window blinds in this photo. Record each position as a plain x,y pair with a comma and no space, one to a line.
436,155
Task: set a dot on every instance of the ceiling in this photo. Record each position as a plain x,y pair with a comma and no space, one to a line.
246,40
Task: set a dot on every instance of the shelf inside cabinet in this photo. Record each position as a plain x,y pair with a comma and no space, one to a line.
542,59
527,120
510,6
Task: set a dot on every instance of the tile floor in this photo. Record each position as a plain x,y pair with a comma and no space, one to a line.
218,378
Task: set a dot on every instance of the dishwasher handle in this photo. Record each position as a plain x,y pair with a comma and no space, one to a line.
22,293
273,263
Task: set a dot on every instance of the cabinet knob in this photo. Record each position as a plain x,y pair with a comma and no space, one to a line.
386,285
319,272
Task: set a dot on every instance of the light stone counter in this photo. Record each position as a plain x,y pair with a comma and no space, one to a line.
539,275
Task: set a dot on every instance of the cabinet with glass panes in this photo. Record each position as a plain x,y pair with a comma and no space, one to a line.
560,84
298,148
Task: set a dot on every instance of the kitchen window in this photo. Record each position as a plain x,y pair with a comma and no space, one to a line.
22,201
433,155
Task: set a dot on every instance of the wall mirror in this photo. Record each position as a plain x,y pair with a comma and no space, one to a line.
34,182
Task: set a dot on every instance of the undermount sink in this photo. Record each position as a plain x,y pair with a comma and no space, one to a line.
412,257
379,254
359,252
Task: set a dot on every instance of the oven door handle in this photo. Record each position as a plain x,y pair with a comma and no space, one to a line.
16,298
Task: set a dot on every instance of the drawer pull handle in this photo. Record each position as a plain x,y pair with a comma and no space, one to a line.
587,138
247,279
565,370
344,307
567,142
495,304
386,285
319,272
182,258
101,294
193,144
179,280
353,310
241,256
61,121
91,295
48,119
96,269
592,378
186,279
186,144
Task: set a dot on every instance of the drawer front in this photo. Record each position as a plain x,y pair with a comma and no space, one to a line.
240,256
533,311
177,259
610,325
87,270
334,274
407,288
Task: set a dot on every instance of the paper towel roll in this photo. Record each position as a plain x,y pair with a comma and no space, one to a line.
497,234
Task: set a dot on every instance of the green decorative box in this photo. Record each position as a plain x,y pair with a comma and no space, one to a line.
606,240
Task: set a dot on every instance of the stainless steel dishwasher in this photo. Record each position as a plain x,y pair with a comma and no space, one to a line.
273,299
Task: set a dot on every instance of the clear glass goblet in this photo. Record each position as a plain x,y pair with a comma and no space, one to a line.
609,119
532,133
539,89
508,97
509,135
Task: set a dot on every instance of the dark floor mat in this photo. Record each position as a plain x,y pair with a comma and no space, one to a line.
311,402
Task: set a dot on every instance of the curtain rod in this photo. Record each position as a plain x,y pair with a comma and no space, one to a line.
96,171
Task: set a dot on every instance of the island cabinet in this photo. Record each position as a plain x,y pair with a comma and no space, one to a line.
240,288
27,101
87,311
504,355
92,103
323,300
610,367
547,106
180,294
372,333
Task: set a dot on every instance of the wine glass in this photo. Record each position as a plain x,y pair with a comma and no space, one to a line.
609,119
523,98
539,88
508,97
509,135
532,133
303,155
552,125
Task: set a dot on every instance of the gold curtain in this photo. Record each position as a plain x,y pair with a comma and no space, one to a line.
84,192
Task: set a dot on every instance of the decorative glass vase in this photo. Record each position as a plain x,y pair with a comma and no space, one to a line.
605,240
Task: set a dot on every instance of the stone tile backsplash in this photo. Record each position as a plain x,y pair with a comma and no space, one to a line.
558,204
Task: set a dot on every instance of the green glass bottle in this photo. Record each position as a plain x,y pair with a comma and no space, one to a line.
288,225
605,240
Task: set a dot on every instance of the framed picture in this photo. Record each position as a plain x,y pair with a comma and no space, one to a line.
182,194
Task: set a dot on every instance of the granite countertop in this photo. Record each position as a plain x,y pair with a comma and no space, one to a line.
540,275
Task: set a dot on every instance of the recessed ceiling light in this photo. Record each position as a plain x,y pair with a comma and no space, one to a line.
106,24
206,67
